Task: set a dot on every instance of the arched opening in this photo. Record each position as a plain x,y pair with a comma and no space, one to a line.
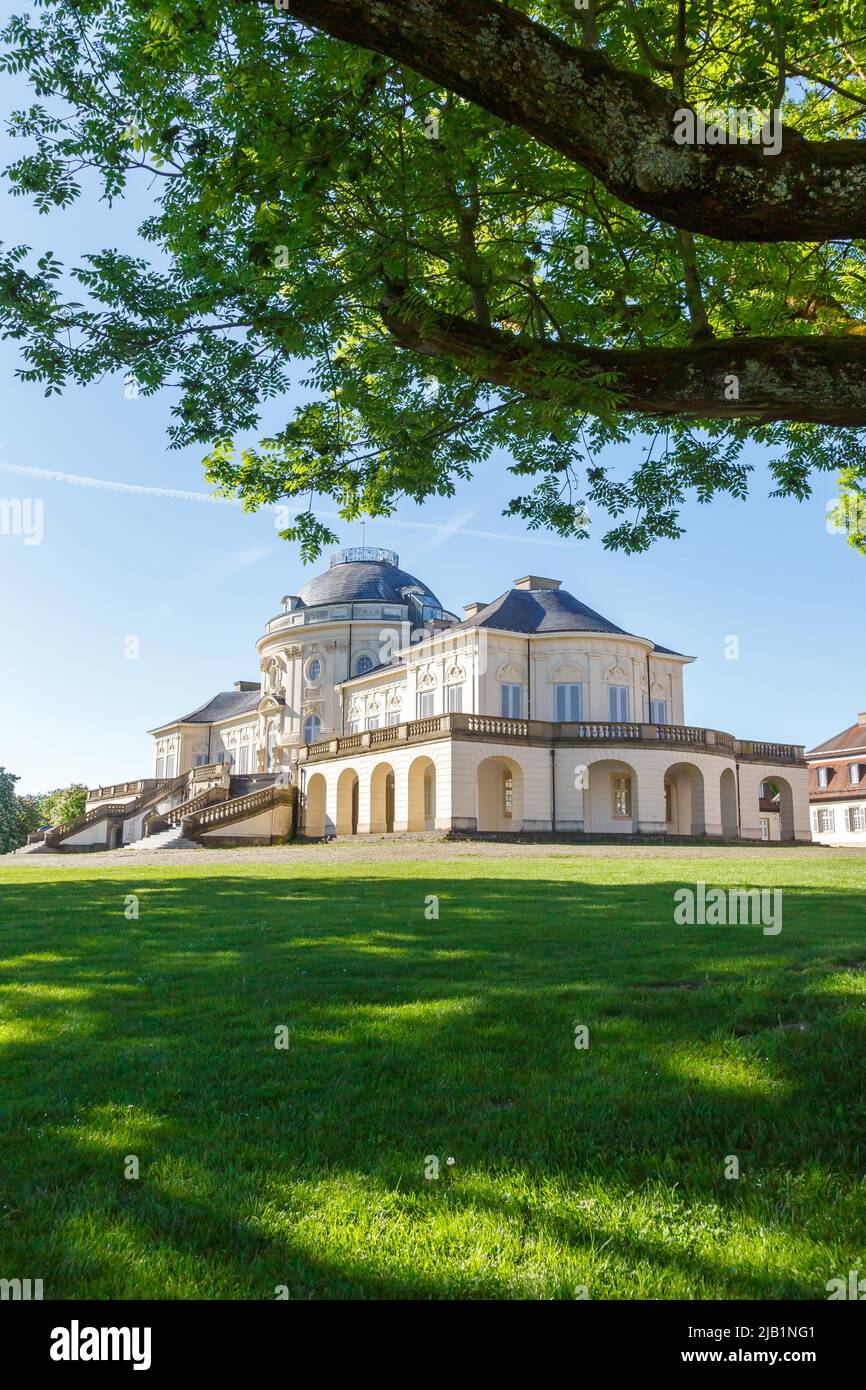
776,809
422,795
347,802
382,800
610,802
728,799
499,795
114,836
315,813
684,800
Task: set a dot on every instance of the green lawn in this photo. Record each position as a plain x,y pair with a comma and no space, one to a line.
411,1037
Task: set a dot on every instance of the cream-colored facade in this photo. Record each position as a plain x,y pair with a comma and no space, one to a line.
378,711
530,715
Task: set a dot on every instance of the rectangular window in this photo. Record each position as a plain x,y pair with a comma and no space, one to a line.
354,726
765,828
201,759
425,704
507,796
853,773
826,821
372,723
568,703
823,776
511,701
392,717
160,769
617,703
658,712
857,818
454,699
621,797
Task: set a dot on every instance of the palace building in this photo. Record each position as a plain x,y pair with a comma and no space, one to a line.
378,711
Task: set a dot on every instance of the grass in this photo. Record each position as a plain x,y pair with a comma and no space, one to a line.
601,1169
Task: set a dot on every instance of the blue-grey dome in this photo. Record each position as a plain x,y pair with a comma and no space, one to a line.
362,574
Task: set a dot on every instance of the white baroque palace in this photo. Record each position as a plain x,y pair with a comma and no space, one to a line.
377,711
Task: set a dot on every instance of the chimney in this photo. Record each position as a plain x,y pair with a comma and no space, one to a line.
536,581
470,609
861,718
247,685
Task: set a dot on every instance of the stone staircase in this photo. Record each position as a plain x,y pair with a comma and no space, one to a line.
116,811
216,809
221,815
172,838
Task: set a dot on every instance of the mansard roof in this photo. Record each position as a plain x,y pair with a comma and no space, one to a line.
545,610
851,740
226,705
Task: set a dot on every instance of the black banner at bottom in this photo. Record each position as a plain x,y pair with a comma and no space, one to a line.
163,1339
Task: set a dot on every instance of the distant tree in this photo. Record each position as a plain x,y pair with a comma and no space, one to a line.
30,811
64,804
8,812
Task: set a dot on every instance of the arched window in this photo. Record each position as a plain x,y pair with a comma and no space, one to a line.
363,665
312,728
271,745
314,670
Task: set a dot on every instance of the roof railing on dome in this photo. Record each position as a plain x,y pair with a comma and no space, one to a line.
364,553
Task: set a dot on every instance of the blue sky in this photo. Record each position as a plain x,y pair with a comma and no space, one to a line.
194,581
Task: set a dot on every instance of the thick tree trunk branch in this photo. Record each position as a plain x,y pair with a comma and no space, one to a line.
819,380
616,124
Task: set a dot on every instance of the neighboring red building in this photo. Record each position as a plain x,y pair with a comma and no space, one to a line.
837,787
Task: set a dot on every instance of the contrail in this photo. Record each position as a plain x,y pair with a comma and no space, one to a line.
446,530
50,475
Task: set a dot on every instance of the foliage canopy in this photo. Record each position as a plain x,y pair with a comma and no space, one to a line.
461,227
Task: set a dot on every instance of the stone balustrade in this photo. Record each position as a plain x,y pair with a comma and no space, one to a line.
238,808
582,732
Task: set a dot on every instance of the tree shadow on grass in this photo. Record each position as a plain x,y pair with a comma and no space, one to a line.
410,1037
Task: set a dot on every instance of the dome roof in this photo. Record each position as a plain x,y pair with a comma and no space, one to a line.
362,574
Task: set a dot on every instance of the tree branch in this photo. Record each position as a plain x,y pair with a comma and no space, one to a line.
617,124
819,380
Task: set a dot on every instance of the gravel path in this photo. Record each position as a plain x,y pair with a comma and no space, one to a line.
391,848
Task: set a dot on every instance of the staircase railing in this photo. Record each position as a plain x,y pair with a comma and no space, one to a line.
168,784
176,814
110,811
236,808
